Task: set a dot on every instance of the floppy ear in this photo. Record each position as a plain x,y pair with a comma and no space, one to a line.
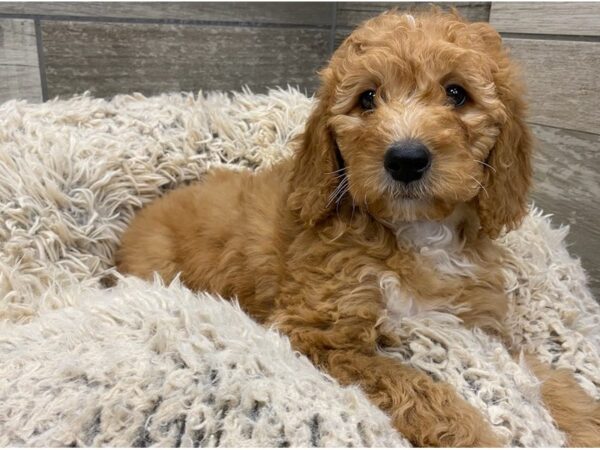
314,176
503,202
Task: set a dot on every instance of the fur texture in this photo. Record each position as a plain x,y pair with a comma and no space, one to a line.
71,174
310,244
147,365
568,403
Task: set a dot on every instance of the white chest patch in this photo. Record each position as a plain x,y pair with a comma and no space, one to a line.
439,243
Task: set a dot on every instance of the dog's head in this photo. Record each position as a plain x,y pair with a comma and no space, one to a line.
417,114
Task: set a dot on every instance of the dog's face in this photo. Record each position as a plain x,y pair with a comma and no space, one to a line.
425,113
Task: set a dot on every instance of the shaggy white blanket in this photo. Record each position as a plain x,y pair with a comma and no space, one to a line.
144,364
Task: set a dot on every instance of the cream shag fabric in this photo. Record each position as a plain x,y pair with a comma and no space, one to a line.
147,364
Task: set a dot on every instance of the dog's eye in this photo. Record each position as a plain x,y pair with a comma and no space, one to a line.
457,95
367,100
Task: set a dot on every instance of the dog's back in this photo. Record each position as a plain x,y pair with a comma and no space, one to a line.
218,234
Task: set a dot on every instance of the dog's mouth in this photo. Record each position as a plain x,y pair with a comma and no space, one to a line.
409,195
412,191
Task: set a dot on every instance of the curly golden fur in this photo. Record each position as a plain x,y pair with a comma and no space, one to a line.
310,244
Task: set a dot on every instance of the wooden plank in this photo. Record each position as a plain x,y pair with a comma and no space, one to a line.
350,14
314,13
567,184
111,58
563,83
19,69
572,18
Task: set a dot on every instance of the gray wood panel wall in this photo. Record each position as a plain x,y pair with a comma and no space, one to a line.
123,47
19,69
558,46
61,48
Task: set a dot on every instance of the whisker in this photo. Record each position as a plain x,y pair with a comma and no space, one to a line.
337,203
480,185
340,196
338,192
332,195
485,164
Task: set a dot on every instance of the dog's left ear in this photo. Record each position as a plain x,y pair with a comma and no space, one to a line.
314,176
503,202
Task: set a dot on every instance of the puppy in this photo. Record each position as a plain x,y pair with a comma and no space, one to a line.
417,148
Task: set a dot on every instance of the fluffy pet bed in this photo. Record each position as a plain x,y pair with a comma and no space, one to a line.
86,363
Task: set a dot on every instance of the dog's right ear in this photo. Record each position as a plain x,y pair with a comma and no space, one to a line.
502,202
314,176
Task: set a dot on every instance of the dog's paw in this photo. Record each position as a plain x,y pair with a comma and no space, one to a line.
440,418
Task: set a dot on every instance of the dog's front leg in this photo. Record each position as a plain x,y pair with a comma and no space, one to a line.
428,413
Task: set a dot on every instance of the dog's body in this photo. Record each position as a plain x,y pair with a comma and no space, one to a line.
331,248
328,293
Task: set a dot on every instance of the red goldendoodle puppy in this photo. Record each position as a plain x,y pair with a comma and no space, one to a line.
414,159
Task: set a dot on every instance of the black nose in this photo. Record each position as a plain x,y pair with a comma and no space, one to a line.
407,161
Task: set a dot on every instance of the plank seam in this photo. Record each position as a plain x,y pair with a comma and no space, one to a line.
550,37
563,128
41,60
333,28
